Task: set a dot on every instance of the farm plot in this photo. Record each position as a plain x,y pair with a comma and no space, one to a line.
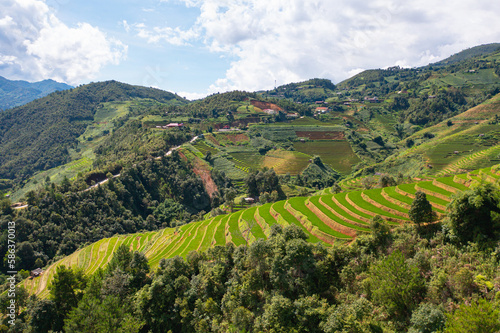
341,200
250,224
284,161
299,205
209,235
356,199
288,218
338,154
327,202
326,219
315,205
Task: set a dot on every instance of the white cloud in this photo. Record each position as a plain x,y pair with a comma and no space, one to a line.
192,96
174,36
291,40
35,44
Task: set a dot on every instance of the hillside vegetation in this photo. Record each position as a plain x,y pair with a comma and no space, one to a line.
370,205
328,218
40,135
257,263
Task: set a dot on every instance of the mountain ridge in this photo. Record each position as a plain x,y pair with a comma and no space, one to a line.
18,92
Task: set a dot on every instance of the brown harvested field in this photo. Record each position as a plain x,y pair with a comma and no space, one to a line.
265,105
324,135
236,137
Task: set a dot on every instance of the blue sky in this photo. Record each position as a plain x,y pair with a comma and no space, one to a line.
198,47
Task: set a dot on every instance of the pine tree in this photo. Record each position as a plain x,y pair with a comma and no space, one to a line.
421,209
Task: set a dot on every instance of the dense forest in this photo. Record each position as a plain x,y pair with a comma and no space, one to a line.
155,194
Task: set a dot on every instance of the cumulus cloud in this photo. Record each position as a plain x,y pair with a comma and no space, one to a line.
35,44
291,40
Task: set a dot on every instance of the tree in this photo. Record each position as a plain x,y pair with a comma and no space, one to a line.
396,285
421,209
428,318
470,213
386,180
381,231
230,196
66,290
478,317
42,316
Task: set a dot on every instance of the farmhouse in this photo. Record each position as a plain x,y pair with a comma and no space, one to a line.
269,111
174,125
36,272
321,110
249,200
372,99
292,115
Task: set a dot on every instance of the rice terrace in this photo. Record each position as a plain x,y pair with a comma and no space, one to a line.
327,218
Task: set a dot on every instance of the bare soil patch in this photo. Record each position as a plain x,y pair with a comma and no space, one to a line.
203,172
265,105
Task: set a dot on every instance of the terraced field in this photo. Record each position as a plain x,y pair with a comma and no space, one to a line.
326,218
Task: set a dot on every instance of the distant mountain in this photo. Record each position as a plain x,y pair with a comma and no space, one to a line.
14,93
472,52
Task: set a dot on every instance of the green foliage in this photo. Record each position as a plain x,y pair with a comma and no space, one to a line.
427,318
481,317
469,215
259,182
146,196
421,209
213,106
396,285
318,175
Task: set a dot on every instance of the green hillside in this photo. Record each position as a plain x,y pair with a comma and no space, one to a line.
472,52
46,133
462,143
329,219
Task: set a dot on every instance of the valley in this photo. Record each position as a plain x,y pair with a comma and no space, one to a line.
241,207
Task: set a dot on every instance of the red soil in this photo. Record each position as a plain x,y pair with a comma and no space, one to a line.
265,105
202,170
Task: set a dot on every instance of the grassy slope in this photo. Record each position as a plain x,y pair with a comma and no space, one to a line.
470,143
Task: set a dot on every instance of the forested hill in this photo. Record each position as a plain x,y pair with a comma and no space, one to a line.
15,93
37,136
472,52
